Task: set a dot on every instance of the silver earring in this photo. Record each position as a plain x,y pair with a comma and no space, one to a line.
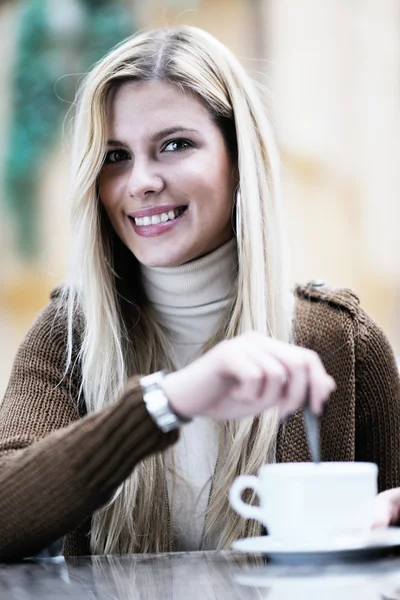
239,222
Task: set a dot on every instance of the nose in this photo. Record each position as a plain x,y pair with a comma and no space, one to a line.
144,180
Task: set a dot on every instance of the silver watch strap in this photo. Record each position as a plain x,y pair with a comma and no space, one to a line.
157,403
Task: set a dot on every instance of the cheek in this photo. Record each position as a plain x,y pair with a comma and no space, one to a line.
110,189
211,181
219,189
109,198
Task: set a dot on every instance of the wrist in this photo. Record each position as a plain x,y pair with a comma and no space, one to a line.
172,389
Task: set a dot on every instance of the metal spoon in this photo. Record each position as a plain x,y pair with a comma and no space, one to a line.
312,429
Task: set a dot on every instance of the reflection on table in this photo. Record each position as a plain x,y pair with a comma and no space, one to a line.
205,575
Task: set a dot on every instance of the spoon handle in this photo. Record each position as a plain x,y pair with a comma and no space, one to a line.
312,430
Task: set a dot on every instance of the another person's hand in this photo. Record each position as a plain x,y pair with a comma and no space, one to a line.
247,375
387,508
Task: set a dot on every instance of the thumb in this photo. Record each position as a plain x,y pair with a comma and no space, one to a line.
381,516
385,508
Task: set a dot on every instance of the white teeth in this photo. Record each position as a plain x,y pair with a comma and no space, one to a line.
156,219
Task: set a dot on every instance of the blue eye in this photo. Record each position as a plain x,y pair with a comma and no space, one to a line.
176,145
115,156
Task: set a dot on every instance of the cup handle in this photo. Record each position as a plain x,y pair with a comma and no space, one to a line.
245,510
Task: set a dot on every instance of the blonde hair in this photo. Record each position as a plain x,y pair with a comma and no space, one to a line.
120,337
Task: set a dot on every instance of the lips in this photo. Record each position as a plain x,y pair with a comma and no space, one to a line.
157,218
155,210
156,221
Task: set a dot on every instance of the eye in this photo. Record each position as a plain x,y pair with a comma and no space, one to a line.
116,156
176,145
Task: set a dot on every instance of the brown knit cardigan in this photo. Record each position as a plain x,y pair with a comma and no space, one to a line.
58,466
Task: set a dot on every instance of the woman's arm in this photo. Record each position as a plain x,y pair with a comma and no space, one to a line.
50,487
55,468
377,403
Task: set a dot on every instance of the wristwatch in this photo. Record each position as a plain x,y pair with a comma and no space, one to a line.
157,403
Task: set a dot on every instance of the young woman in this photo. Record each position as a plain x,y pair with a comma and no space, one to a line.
177,264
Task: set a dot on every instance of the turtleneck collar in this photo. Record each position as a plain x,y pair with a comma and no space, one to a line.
188,299
201,281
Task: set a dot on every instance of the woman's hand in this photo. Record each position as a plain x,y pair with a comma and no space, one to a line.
387,508
245,376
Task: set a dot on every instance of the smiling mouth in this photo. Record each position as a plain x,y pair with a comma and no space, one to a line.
164,217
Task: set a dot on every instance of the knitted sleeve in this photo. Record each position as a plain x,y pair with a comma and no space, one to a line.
377,403
56,468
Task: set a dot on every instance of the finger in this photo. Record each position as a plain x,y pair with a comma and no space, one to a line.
293,384
247,375
382,514
300,363
274,376
296,387
292,360
387,508
321,385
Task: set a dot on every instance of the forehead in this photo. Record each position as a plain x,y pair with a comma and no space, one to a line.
151,106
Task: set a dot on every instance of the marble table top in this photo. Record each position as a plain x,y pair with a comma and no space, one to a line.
205,575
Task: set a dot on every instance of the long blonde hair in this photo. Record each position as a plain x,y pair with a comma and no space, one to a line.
120,338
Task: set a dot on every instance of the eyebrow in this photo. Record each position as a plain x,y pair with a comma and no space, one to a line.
156,137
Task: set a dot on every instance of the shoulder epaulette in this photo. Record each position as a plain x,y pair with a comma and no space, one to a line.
316,291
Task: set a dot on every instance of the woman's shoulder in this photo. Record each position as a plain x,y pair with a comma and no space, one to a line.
317,292
323,313
333,320
50,327
45,363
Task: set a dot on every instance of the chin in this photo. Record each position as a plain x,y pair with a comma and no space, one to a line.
161,260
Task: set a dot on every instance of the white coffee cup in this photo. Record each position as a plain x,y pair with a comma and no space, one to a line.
306,501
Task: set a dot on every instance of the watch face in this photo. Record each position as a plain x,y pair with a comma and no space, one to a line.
157,403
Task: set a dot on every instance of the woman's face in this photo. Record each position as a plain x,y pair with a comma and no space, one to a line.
168,180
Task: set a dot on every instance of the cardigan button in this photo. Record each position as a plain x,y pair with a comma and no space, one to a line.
316,283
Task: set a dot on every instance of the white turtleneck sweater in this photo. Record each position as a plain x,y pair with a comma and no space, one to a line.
189,301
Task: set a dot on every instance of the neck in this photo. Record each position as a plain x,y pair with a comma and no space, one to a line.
190,300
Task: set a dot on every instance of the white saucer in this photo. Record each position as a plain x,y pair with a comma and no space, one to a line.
376,542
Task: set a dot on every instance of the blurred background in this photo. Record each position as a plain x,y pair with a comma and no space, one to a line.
331,73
